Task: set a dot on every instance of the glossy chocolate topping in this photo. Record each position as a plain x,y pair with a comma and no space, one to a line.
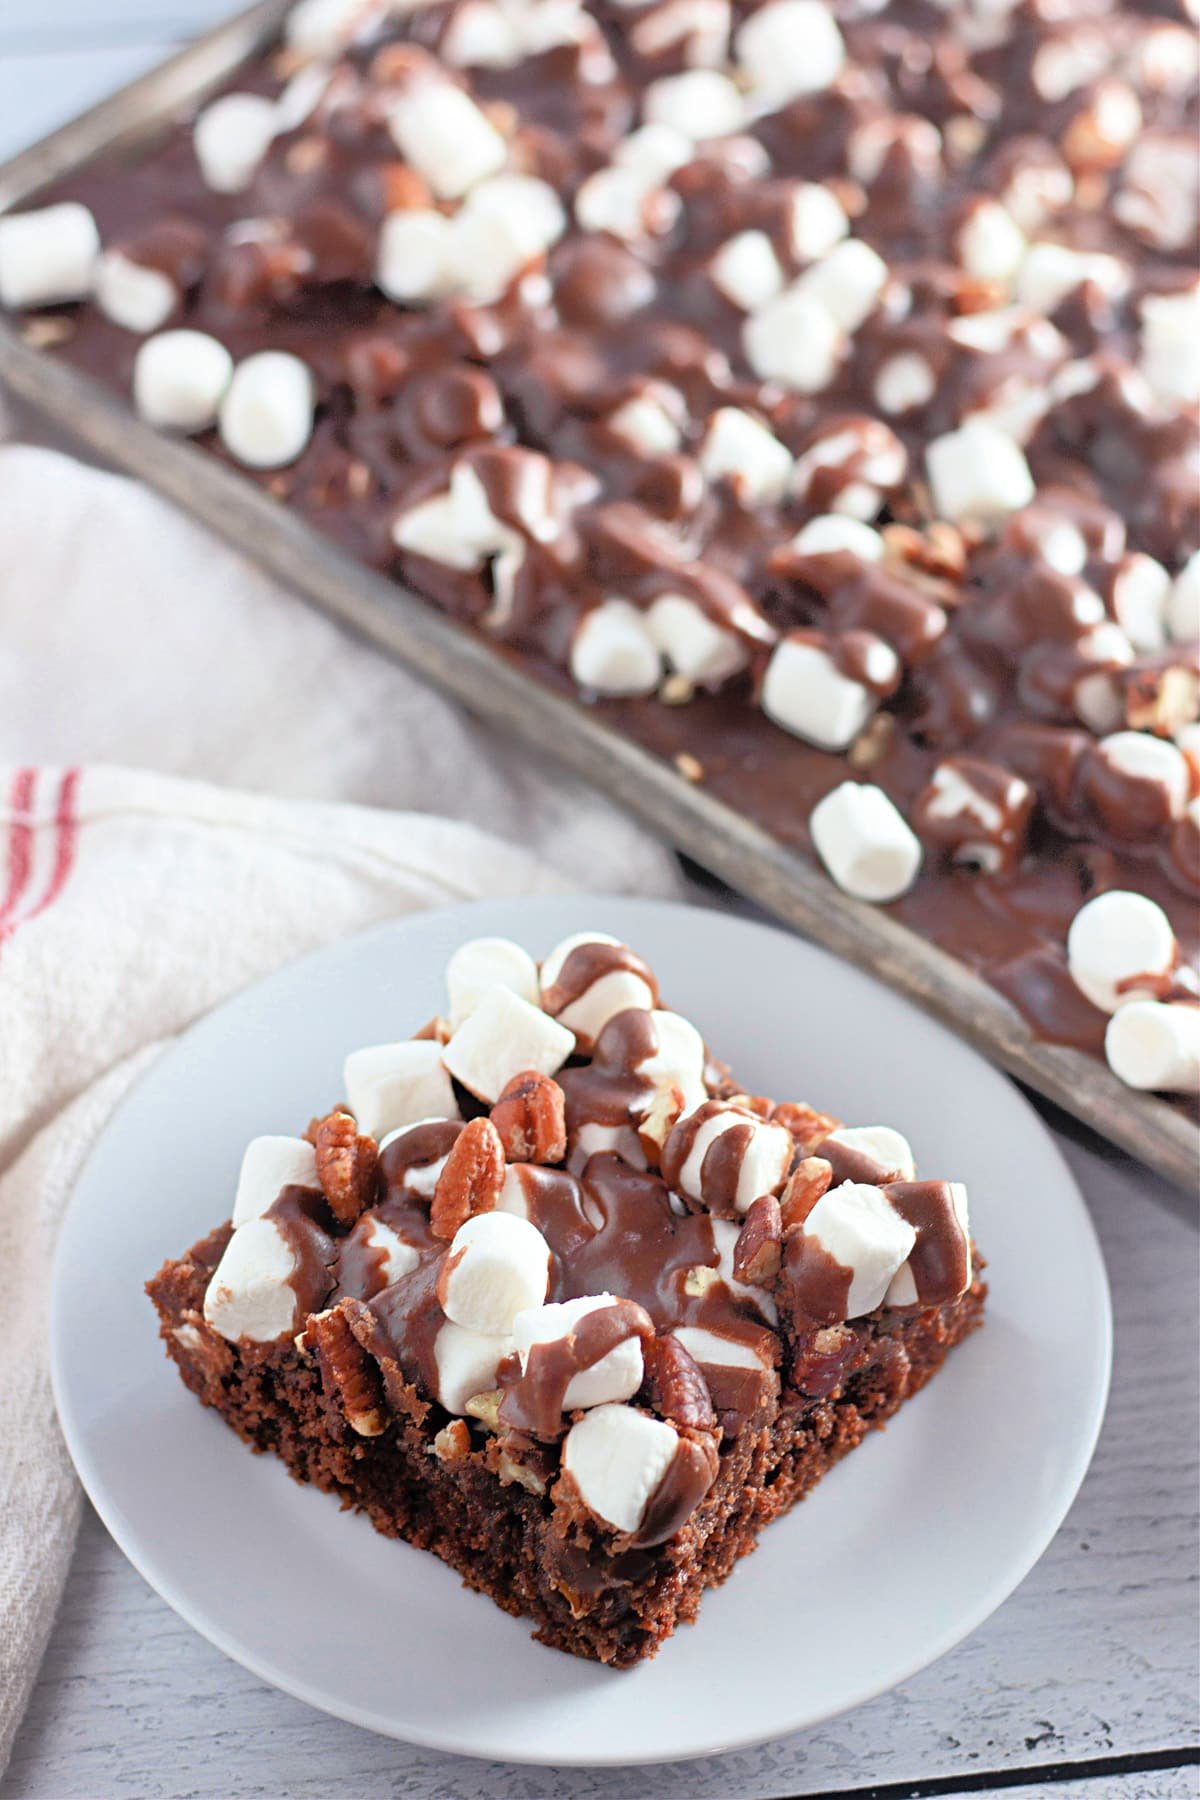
940,1260
300,1215
534,1398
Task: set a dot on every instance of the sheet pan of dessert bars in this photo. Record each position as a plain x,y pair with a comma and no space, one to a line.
784,420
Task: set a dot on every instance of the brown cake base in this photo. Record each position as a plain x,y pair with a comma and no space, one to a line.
501,1537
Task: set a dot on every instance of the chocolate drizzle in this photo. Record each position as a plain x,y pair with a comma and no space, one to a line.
534,1400
940,1260
300,1215
587,964
690,1473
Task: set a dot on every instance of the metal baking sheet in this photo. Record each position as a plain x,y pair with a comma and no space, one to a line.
468,668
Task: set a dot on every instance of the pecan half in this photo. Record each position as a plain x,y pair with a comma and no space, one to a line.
348,1375
675,1384
531,1118
807,1182
807,1126
758,1253
471,1180
347,1166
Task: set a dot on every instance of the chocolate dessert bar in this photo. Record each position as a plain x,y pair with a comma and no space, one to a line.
809,388
550,1297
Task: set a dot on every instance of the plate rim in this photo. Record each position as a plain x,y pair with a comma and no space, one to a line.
1002,1584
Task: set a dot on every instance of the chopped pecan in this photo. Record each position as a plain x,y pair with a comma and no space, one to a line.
807,1126
758,1253
675,1384
531,1118
347,1166
435,1030
660,1120
471,1179
754,1103
348,1375
452,1442
807,1182
486,1408
823,1363
1160,700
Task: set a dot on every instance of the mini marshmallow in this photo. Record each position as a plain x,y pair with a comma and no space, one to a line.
485,963
1183,602
694,646
266,416
1052,271
504,224
613,652
501,1038
618,990
1170,358
789,48
1144,757
656,151
679,1060
764,1163
743,449
617,1458
709,1347
269,1165
833,534
747,270
847,282
467,1363
47,257
396,1258
699,104
648,422
1140,587
902,1289
864,843
806,693
498,1266
421,1178
594,1140
857,1226
249,1295
393,1085
628,203
617,1375
230,139
1155,1047
793,340
904,382
977,472
415,262
816,221
1114,939
323,28
132,296
441,133
457,528
991,245
883,1144
180,379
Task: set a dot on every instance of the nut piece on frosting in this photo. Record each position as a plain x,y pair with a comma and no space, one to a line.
486,963
616,1376
48,256
1155,1046
864,843
617,1457
504,1037
1119,947
270,1164
498,1266
390,1086
723,1157
589,978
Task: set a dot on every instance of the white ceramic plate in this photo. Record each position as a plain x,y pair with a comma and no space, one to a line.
900,1552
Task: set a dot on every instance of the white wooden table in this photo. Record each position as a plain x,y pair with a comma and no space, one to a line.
1084,1685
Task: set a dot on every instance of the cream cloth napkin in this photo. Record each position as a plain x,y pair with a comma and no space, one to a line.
130,903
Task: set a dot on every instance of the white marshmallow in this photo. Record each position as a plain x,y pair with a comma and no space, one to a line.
902,1289
816,221
498,1266
617,200
1183,602
617,1458
617,1375
1144,757
833,533
886,1146
1097,697
415,261
741,447
789,48
132,296
422,1178
1052,271
806,693
266,416
300,98
977,472
467,1363
440,131
991,245
620,990
180,379
612,651
594,1140
230,139
709,1347
457,528
689,640
396,1257
48,256
504,225
765,1160
481,35
250,1295
504,1036
699,104
269,1165
393,1085
655,150
1115,938
323,28
904,382
847,282
529,207
1139,599
648,422
485,963
747,270
1155,1047
679,1060
856,1225
793,340
1170,358
864,843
